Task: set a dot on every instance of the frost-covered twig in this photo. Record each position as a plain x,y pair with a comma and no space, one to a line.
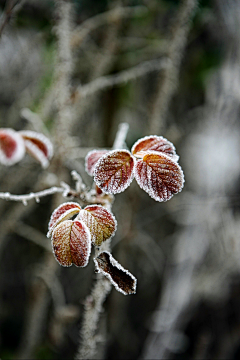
169,79
27,197
82,31
35,120
119,142
101,288
105,82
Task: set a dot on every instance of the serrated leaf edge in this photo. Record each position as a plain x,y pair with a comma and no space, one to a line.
115,263
103,158
168,158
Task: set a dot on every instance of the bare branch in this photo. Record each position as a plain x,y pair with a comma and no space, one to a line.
119,142
169,81
31,234
82,31
25,198
10,9
105,82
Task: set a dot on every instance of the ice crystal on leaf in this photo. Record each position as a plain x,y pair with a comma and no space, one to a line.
12,147
159,176
153,162
113,172
91,160
64,212
155,143
121,278
68,240
38,146
101,223
71,241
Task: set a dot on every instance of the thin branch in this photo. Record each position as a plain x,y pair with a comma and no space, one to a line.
10,9
100,290
25,198
82,31
105,82
119,142
31,234
35,120
169,81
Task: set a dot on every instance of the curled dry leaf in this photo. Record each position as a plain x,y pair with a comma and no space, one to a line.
101,223
64,212
121,278
71,241
159,176
12,147
92,158
154,143
113,172
38,146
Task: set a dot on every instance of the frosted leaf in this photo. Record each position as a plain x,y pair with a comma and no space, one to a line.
71,241
155,143
113,172
80,243
91,160
121,278
64,212
61,243
38,146
12,147
159,176
101,223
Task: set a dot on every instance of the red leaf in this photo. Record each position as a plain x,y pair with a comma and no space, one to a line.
159,176
101,223
64,212
12,147
155,143
113,172
121,278
38,146
71,241
92,158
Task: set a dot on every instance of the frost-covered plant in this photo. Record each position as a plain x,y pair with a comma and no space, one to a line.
152,161
14,144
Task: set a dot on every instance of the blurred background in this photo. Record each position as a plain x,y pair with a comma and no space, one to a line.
171,68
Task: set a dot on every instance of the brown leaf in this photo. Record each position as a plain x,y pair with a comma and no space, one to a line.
121,278
64,212
71,241
101,223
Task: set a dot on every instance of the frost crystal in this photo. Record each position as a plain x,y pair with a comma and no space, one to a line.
155,143
159,176
71,241
38,146
101,223
12,147
121,278
91,160
63,212
113,172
